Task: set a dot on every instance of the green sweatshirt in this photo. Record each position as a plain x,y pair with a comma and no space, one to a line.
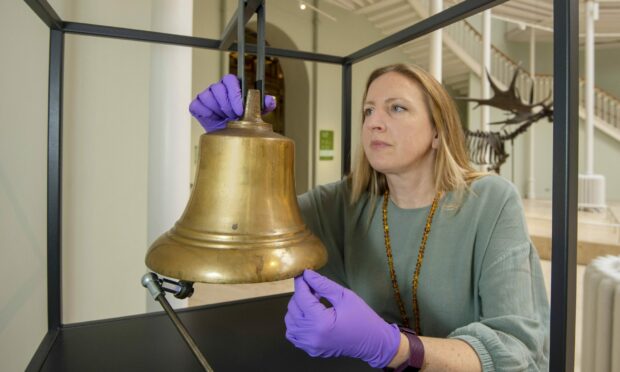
480,280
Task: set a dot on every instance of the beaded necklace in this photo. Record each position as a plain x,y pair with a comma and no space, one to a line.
388,251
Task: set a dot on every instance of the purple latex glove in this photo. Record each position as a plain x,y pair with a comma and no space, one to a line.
349,328
222,102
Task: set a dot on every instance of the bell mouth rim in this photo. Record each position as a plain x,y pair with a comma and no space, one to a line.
266,263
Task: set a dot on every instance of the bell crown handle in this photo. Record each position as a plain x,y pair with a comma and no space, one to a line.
260,48
252,112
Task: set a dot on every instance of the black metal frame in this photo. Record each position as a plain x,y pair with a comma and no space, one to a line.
565,140
564,200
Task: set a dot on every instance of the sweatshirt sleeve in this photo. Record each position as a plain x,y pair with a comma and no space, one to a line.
512,334
322,209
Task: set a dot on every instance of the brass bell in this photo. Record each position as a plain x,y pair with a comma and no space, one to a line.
242,222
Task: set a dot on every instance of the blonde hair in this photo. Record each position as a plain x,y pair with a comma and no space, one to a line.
452,169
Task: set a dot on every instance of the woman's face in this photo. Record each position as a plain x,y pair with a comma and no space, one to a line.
397,134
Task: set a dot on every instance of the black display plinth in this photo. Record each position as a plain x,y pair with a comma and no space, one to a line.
245,335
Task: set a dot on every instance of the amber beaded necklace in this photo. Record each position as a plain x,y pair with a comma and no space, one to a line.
416,274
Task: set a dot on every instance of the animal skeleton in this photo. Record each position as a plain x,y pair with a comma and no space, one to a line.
487,147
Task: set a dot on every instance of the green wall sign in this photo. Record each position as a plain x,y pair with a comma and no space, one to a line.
326,145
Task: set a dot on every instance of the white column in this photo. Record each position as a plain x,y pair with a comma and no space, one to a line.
531,185
485,116
435,58
169,125
591,16
592,194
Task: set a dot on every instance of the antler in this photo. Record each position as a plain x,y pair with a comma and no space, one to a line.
487,147
510,100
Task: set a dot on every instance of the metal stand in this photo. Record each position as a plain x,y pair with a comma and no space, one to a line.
181,289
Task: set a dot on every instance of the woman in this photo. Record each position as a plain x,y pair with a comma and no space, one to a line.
430,263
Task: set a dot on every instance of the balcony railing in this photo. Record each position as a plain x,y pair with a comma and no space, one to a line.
606,106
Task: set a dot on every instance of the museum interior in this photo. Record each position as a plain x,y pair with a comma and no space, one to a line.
128,153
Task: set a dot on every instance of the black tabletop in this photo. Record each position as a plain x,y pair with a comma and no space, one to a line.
238,336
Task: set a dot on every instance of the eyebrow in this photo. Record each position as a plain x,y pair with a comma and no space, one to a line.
391,99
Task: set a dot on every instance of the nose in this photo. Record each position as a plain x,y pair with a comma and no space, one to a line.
376,121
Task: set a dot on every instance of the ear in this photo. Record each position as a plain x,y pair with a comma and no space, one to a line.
435,142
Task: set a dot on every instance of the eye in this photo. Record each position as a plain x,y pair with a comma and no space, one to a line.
398,108
368,111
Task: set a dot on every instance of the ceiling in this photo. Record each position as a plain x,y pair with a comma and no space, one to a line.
522,14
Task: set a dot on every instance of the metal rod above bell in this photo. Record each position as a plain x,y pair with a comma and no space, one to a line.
242,223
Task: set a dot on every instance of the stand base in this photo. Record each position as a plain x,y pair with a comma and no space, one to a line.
246,335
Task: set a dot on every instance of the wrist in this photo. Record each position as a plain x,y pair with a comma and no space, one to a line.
402,353
415,353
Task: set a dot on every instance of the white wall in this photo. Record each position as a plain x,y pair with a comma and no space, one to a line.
24,41
105,162
115,97
349,34
106,123
206,67
169,144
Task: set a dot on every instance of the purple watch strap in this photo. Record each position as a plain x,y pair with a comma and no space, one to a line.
416,351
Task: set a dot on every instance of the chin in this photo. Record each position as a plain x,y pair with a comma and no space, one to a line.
383,163
380,167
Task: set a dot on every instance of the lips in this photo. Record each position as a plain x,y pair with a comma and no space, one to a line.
376,144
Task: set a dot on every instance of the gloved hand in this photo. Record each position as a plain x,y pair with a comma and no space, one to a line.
222,102
349,328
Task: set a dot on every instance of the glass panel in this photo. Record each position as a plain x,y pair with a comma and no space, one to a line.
104,71
106,108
